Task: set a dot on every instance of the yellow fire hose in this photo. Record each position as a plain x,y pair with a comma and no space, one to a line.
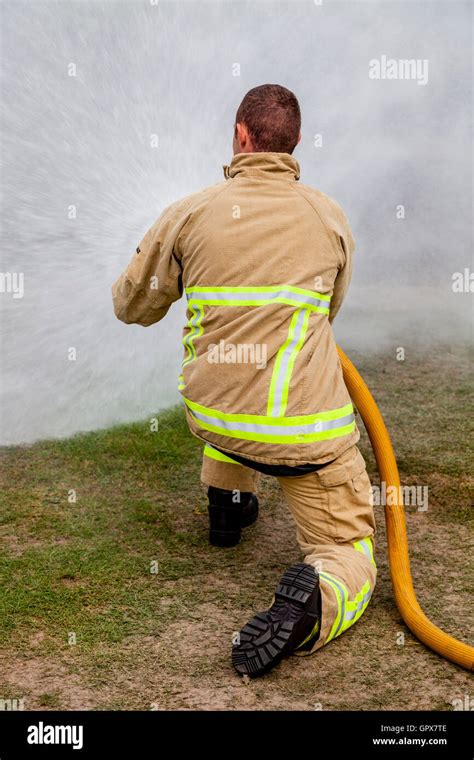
405,597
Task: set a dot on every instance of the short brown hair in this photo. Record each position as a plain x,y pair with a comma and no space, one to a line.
272,116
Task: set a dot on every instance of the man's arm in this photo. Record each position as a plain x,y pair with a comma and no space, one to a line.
343,278
153,279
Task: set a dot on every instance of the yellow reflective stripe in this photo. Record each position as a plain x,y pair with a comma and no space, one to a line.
357,606
253,427
195,329
284,362
348,610
365,547
290,295
212,453
259,296
288,438
254,289
262,419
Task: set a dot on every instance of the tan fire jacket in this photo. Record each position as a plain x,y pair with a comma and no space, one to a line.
264,262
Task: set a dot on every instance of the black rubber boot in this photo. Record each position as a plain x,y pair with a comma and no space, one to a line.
249,503
286,626
227,517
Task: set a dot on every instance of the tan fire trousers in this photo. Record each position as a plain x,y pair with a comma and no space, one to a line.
334,528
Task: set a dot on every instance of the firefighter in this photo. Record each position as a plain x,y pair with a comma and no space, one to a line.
264,262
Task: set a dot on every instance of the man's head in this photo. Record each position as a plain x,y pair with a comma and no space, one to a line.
268,119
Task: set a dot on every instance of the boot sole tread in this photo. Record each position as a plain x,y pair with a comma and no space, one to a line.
266,638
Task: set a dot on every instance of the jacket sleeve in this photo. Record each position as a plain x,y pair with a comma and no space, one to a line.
153,279
343,278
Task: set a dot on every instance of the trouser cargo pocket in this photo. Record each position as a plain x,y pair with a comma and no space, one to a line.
349,496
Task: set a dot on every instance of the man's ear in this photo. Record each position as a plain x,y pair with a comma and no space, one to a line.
244,138
241,132
299,138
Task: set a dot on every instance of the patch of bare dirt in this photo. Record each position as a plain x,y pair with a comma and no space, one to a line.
31,678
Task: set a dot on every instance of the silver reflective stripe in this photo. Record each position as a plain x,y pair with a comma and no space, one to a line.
267,296
366,549
281,379
289,430
351,615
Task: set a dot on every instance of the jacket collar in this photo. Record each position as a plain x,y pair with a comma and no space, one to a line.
263,165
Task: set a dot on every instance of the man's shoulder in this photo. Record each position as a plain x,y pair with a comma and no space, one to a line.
196,200
328,209
320,200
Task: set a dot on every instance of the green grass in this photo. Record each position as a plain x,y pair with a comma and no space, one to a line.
83,566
